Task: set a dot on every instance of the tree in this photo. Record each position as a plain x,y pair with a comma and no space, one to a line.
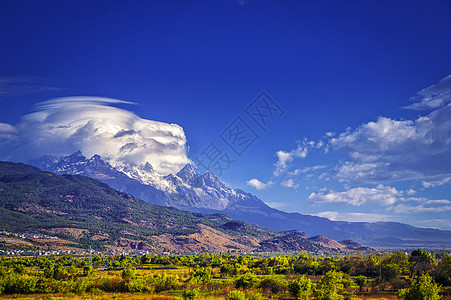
202,275
190,294
275,284
129,273
443,272
402,261
236,295
300,288
420,262
246,281
361,281
424,288
329,286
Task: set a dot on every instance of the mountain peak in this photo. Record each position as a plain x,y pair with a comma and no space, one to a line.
147,167
74,157
76,154
212,180
188,174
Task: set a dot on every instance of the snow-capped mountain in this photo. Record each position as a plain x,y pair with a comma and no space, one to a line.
95,167
206,193
187,189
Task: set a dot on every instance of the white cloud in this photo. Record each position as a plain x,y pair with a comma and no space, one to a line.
276,204
382,195
290,184
421,208
257,184
353,217
90,124
306,169
285,158
443,224
7,133
434,96
389,150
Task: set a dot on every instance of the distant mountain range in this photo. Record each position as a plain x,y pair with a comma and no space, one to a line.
192,191
84,212
298,241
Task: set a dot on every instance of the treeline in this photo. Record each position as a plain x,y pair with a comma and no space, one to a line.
416,275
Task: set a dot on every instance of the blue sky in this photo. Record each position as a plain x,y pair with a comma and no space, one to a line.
359,92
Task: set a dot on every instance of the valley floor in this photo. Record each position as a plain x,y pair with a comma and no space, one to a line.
219,276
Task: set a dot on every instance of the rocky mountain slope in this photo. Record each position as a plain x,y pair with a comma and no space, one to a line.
205,193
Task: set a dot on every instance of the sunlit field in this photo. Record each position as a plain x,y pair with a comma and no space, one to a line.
221,276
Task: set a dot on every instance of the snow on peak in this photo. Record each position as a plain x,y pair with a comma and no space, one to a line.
188,174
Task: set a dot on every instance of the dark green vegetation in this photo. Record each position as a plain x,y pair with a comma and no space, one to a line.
418,275
86,212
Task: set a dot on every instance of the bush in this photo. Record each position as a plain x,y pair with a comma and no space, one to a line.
275,284
190,294
329,286
135,286
236,295
164,283
18,284
79,286
254,296
202,275
424,288
129,273
246,281
300,288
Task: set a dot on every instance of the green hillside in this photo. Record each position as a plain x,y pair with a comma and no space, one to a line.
87,212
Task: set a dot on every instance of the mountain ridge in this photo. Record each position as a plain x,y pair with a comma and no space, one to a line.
83,212
192,191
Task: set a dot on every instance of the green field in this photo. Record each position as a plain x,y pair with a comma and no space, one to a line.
416,275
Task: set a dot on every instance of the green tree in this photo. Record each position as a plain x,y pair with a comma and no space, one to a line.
246,281
361,281
190,294
329,286
443,272
300,288
87,270
424,288
202,275
420,262
402,261
254,296
236,295
274,284
164,283
129,273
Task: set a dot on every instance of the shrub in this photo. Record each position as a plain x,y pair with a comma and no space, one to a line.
246,281
424,288
190,294
254,296
275,284
129,273
202,275
236,295
164,283
300,288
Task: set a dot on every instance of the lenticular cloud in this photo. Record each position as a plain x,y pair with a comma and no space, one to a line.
93,126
